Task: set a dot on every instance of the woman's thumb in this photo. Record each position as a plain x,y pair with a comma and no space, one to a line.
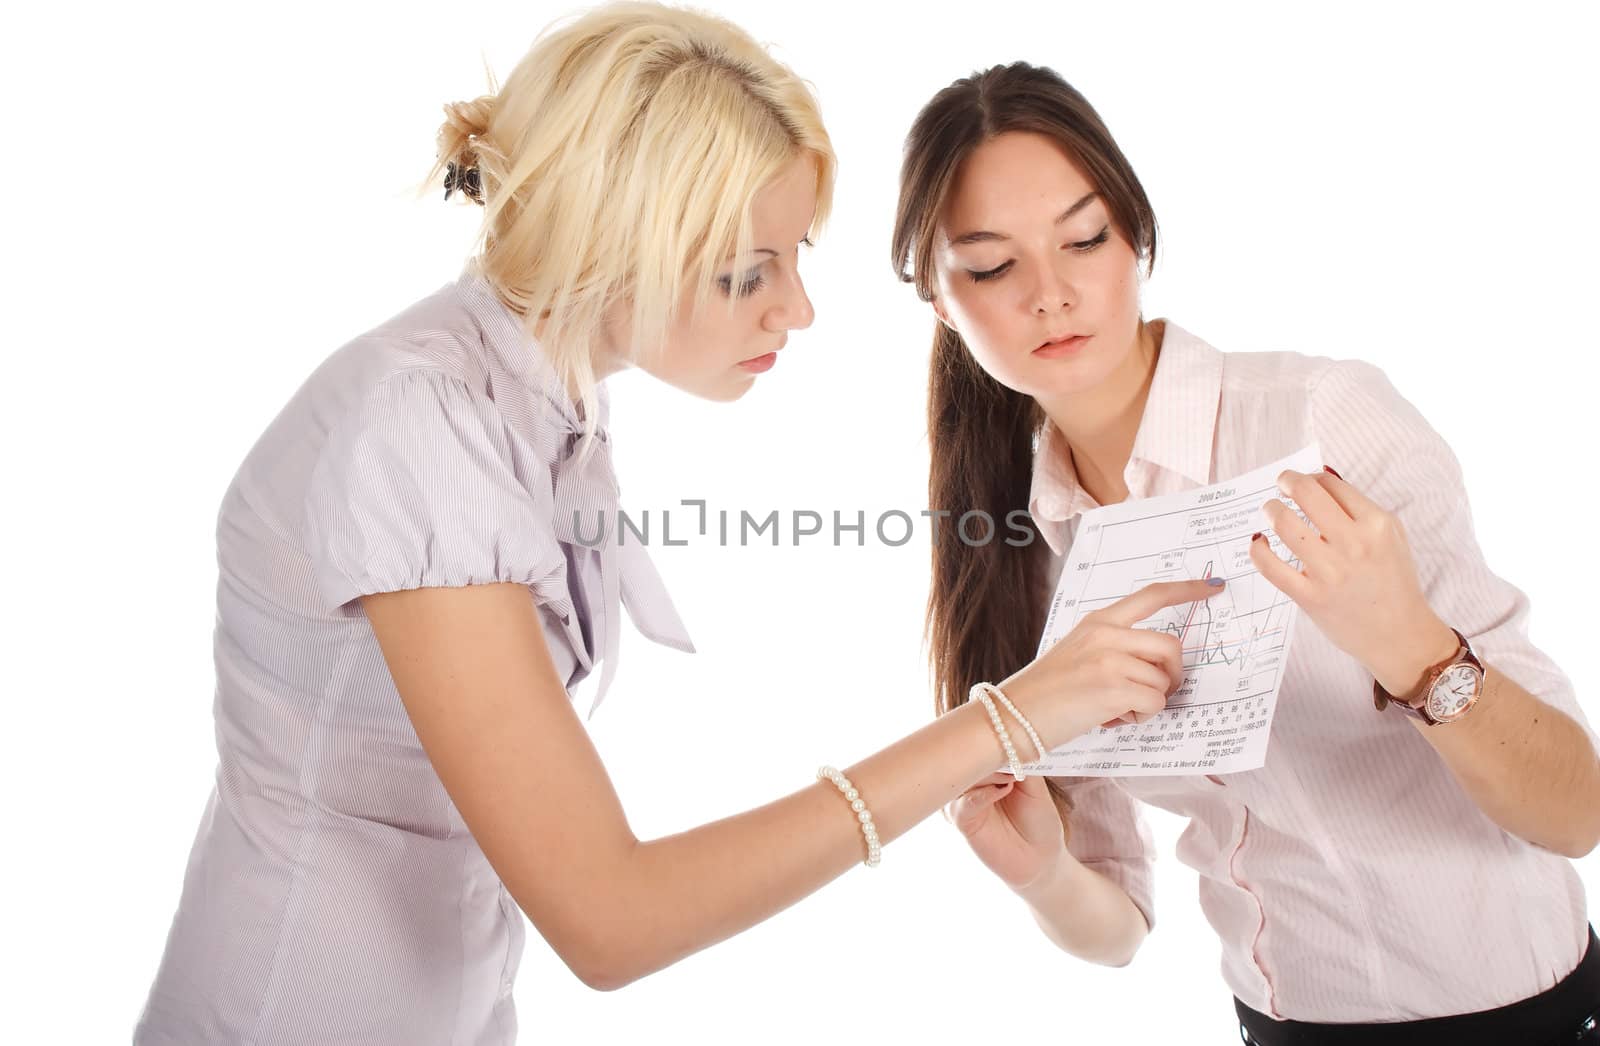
1033,786
968,807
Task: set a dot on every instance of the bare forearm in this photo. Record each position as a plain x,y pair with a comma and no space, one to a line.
681,893
1086,914
1530,768
1527,766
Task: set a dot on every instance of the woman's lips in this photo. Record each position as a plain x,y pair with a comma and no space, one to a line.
760,363
1065,347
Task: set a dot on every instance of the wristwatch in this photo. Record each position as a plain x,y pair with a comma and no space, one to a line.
1448,692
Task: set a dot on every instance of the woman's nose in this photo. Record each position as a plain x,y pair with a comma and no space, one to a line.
1053,292
795,311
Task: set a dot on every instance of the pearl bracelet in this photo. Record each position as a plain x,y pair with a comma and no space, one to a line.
1001,732
982,692
859,805
1033,735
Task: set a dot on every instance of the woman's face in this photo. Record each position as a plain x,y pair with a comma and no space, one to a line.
1026,257
716,352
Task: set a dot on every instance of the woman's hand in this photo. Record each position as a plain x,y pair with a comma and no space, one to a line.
1013,826
1358,582
1105,670
1019,831
1102,671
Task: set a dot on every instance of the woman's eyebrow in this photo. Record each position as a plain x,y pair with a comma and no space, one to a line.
768,251
984,236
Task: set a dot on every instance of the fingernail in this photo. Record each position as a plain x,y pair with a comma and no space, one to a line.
1330,468
1214,582
1256,535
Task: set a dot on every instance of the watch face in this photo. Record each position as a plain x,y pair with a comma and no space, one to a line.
1453,692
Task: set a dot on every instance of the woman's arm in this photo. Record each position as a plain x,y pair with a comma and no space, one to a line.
1021,832
1087,914
1530,768
475,675
1392,563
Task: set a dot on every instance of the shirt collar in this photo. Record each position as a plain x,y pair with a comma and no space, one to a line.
1175,433
520,354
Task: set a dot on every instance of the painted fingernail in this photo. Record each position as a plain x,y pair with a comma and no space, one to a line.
1214,582
1256,535
1330,468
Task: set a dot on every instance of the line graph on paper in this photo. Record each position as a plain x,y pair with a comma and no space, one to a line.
1234,645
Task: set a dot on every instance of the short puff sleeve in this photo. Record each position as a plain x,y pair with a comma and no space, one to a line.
423,486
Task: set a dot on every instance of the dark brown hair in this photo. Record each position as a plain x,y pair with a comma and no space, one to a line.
986,608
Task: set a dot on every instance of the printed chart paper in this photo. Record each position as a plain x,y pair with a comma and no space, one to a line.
1234,645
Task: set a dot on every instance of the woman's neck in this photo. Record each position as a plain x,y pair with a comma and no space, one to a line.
604,361
1101,424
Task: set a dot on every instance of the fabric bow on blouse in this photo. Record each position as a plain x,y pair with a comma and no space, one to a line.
586,495
587,517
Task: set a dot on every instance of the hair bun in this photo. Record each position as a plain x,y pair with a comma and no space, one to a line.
464,122
469,118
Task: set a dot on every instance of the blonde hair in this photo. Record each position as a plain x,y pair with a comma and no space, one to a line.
619,160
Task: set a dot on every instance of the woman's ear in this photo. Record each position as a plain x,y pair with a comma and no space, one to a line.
944,317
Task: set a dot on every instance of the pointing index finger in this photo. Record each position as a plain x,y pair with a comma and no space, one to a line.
1135,607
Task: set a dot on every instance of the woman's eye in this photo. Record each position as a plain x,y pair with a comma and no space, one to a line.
752,282
988,274
1081,246
1085,246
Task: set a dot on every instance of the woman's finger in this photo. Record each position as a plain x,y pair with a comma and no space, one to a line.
991,789
1292,531
1143,673
1280,575
1136,606
970,805
1148,702
1032,786
1145,691
1355,504
1159,648
1144,704
1325,513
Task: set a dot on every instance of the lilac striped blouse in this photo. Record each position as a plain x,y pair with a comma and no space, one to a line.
1350,879
333,893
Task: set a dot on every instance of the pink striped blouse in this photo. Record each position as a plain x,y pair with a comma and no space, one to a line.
333,892
1350,879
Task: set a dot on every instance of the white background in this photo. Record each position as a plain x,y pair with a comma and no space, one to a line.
202,202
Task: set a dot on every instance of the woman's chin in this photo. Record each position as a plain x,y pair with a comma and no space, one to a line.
726,390
1067,378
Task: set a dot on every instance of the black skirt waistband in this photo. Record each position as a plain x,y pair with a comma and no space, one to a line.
1545,1017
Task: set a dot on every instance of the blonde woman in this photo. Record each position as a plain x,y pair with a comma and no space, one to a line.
405,602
